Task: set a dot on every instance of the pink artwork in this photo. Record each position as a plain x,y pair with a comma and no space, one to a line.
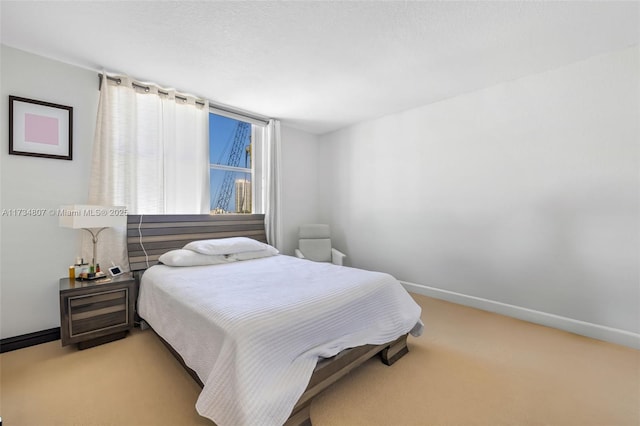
41,129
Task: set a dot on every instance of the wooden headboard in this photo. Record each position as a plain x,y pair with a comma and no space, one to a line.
149,236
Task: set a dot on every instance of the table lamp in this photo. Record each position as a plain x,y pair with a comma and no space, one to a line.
93,219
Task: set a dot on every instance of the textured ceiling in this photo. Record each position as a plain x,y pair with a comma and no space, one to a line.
320,66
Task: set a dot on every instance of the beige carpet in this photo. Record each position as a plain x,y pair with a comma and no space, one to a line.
469,368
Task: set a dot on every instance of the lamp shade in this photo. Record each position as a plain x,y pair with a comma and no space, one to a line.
91,216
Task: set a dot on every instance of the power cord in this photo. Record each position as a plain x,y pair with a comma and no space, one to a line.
146,256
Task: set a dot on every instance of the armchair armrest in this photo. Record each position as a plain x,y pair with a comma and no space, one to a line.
337,257
299,254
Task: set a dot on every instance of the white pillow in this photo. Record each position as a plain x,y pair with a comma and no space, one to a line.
248,255
183,257
226,246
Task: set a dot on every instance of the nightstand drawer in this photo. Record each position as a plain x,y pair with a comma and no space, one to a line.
97,311
99,322
80,303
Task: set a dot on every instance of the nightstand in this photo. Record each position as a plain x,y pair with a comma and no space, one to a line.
96,312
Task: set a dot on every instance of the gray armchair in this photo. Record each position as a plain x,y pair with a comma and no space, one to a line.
315,244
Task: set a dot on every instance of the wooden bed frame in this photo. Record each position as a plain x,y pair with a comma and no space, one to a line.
149,236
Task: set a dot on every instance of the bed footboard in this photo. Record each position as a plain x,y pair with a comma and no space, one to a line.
395,351
333,369
326,373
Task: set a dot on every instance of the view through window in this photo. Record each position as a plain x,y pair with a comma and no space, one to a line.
230,163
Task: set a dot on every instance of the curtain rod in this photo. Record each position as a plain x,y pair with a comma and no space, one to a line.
212,105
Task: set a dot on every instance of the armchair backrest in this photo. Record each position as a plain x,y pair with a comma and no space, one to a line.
315,242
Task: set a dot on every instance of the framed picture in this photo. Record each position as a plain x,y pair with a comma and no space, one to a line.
40,129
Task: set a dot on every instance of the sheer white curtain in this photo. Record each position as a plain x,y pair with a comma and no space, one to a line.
150,154
272,172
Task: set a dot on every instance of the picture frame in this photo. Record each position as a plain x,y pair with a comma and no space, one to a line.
40,129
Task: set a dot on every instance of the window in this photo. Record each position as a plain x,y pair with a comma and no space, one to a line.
233,147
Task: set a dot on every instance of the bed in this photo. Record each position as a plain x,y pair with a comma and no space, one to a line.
262,335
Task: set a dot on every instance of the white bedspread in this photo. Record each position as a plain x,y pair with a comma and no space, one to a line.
253,330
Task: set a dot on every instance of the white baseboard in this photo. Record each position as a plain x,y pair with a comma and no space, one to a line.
594,331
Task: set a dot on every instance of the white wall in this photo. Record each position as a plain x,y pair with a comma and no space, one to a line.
35,251
299,184
525,193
